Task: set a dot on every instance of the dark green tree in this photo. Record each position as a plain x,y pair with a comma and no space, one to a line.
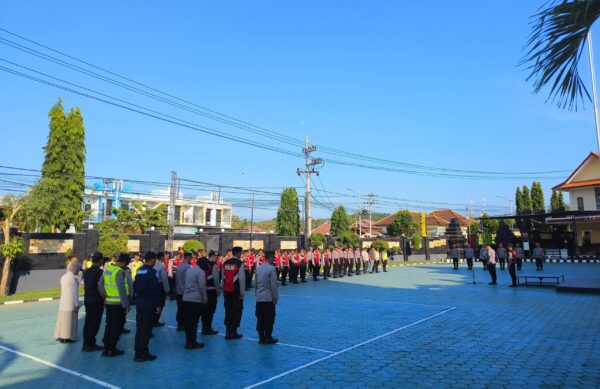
340,222
526,202
63,173
518,201
317,240
403,225
537,198
288,214
557,202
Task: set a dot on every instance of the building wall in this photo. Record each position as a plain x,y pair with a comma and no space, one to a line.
590,171
592,228
589,198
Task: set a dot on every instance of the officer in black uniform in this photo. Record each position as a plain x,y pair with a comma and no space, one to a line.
213,290
148,305
94,303
233,284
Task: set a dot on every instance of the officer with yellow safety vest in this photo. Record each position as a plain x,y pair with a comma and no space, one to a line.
115,289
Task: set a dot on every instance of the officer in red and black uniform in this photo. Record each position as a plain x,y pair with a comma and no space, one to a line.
316,261
303,266
294,266
233,284
213,290
285,267
326,263
252,264
277,264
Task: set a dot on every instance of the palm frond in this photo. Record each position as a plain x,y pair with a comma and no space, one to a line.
554,49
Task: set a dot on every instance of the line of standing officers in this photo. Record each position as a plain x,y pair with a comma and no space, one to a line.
113,286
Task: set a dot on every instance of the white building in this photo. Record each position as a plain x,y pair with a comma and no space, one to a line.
583,186
191,214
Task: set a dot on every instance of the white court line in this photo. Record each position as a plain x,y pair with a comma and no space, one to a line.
256,340
365,300
63,369
347,349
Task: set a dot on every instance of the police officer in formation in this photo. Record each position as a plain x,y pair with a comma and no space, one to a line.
183,267
213,290
147,306
165,287
469,255
93,301
501,255
455,255
194,300
233,283
267,296
115,289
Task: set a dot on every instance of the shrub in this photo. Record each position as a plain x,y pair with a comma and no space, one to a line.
350,240
380,244
317,240
192,246
112,245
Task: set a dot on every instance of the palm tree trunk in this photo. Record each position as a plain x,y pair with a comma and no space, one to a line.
6,277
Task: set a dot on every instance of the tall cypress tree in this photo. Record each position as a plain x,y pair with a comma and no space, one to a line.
340,222
63,174
526,200
557,202
518,201
537,198
288,214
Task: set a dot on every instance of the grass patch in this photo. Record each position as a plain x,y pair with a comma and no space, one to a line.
35,294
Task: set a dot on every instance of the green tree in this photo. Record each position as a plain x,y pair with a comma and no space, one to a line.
380,244
340,222
417,241
518,201
316,240
349,239
557,202
526,201
112,244
10,247
138,219
288,214
555,47
403,225
192,246
238,224
63,173
537,198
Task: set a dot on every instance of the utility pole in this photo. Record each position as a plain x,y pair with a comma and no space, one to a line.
310,169
593,72
173,194
370,202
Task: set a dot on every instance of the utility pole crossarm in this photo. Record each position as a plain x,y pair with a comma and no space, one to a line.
310,168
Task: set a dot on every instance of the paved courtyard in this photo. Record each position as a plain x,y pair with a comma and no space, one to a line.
416,326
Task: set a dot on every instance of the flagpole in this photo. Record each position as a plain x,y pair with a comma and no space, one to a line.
593,72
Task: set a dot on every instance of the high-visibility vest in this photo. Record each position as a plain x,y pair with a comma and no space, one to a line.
134,268
88,264
110,284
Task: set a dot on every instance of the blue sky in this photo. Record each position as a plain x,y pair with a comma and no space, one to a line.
433,83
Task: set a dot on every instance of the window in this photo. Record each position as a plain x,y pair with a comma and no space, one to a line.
219,212
124,204
178,213
580,203
208,212
597,190
109,207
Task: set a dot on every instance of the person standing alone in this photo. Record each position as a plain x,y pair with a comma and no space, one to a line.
267,296
491,264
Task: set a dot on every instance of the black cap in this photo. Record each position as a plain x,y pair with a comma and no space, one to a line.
212,252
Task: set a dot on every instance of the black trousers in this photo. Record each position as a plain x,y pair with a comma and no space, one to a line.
179,315
502,263
233,309
303,272
376,267
326,270
513,272
172,293
484,263
316,270
294,269
209,309
470,263
144,321
252,271
384,264
265,319
115,317
492,269
519,263
455,263
539,264
343,267
93,318
163,300
310,267
192,312
284,273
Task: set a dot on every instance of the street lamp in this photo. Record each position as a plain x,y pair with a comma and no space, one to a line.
359,212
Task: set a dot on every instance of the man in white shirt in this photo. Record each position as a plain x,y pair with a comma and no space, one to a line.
491,265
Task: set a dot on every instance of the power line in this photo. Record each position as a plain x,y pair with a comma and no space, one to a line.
237,122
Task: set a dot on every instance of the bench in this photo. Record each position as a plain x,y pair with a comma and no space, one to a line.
541,279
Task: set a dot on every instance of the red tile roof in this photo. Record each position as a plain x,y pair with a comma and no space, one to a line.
439,217
323,228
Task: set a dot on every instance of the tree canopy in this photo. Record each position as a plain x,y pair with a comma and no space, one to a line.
403,225
340,222
288,214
